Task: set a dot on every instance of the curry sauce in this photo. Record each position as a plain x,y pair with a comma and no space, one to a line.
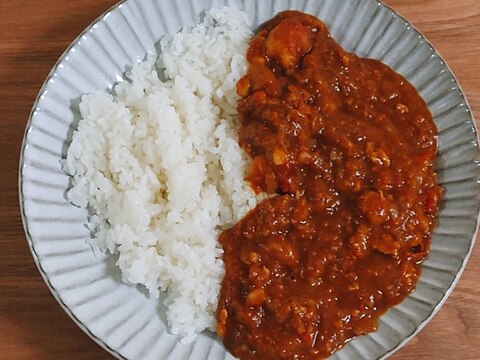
345,148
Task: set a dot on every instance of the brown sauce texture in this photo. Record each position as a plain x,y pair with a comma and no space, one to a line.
345,147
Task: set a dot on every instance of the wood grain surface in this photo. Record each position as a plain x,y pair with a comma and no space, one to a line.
33,34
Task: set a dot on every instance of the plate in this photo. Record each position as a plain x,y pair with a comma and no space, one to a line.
123,319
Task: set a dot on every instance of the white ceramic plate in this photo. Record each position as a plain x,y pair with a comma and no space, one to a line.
122,319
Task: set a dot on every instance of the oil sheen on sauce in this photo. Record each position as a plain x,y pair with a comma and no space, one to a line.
345,148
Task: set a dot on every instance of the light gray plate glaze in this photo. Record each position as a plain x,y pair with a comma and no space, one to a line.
122,319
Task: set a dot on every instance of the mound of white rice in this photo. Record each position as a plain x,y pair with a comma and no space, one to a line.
159,165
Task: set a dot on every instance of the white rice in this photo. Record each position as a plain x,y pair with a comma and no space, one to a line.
159,165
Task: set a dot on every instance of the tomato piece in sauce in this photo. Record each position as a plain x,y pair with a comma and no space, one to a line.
345,147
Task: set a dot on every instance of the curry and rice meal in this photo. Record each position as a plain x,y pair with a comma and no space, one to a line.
280,190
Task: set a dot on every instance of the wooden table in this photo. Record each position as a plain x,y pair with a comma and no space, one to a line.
33,34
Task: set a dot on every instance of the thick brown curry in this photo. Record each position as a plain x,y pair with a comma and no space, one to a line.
345,147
